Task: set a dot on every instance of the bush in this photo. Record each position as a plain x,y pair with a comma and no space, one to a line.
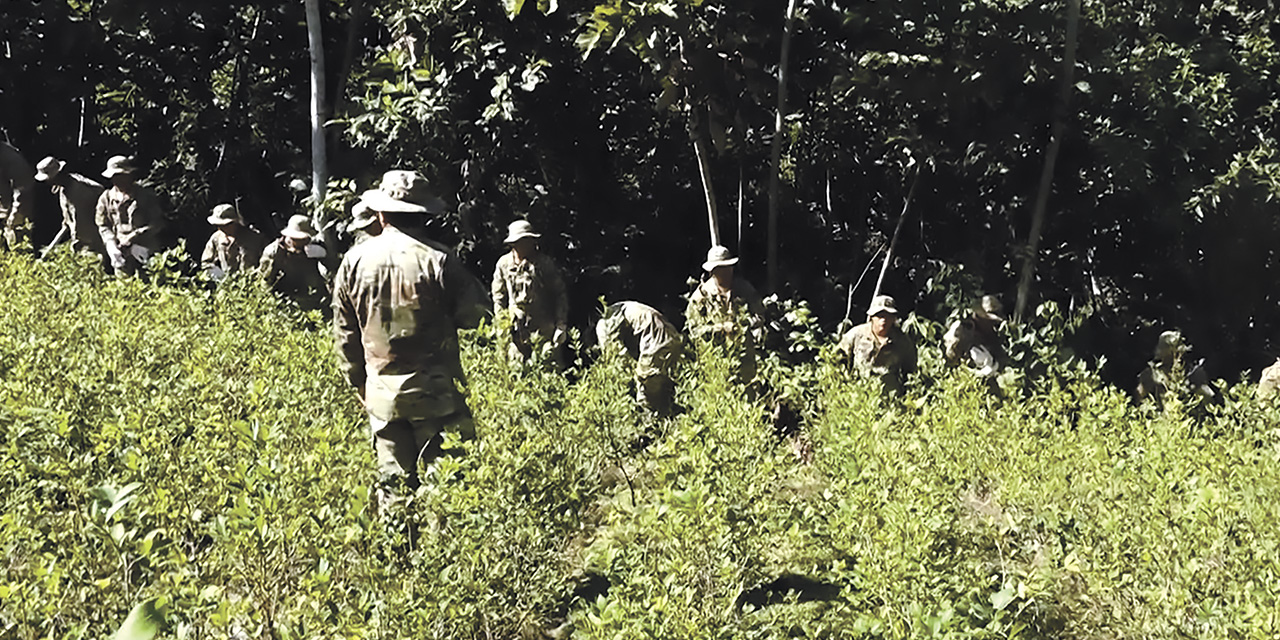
194,456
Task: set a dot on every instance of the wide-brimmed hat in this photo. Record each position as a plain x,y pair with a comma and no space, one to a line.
299,228
225,214
49,168
361,217
402,192
119,164
520,229
989,308
718,256
1170,342
882,304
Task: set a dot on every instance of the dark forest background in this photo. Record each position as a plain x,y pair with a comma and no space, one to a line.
584,117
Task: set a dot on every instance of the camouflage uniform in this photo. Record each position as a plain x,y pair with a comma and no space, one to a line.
78,197
294,273
16,179
532,291
890,359
397,308
130,225
225,255
975,340
1158,378
654,343
1269,385
717,315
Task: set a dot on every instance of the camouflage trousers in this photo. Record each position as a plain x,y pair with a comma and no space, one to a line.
655,389
404,444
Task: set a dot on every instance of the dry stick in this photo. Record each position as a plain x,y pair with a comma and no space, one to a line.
893,242
704,170
1050,158
848,307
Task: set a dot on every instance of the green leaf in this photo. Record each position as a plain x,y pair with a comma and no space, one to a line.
1002,598
512,7
143,623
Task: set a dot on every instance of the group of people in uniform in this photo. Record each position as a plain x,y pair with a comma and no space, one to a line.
398,299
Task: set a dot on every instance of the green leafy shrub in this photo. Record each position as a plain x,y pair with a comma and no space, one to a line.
192,457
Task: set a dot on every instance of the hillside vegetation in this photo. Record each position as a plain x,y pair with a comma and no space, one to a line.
194,458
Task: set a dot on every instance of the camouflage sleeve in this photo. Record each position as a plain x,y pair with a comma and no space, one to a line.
695,320
498,289
845,347
267,265
102,217
346,329
209,254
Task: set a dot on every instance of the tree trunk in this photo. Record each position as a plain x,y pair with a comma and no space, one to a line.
1050,159
348,55
319,168
704,169
771,250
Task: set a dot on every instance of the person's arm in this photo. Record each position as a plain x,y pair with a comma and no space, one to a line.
210,253
102,218
346,331
498,289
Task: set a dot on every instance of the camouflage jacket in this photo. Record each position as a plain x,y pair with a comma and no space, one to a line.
713,312
397,306
532,291
1158,379
78,197
890,359
133,218
291,272
229,254
1269,385
644,333
966,335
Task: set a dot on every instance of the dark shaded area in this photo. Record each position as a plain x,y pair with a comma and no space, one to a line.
779,590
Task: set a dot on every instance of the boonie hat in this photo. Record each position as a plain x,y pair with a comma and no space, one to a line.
402,192
225,214
990,308
520,229
119,164
361,217
1170,342
49,168
718,256
299,228
882,304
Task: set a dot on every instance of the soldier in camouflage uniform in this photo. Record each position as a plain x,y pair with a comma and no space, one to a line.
364,224
292,264
1269,385
78,196
398,303
878,348
129,218
528,288
975,341
1169,372
233,247
16,180
645,335
727,311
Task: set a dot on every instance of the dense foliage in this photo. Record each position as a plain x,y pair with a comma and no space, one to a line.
580,114
193,457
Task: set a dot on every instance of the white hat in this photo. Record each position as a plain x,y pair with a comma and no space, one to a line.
299,228
225,214
119,164
49,168
718,256
361,217
402,192
520,229
882,304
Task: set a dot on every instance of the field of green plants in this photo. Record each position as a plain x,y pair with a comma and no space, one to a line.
179,462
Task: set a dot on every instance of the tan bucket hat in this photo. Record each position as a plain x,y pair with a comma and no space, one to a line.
718,256
361,217
49,168
299,228
402,192
883,304
119,164
520,229
225,214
